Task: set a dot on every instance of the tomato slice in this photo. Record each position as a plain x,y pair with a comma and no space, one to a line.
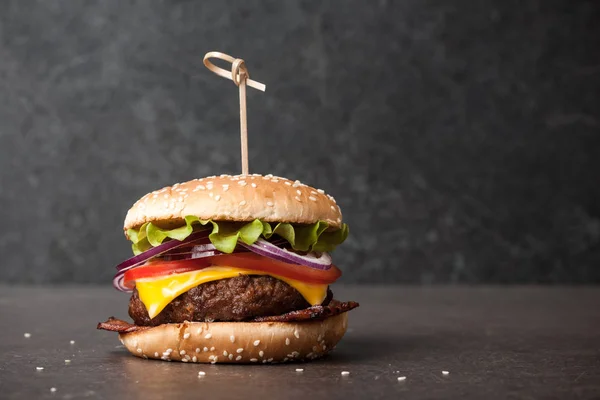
239,260
157,269
293,271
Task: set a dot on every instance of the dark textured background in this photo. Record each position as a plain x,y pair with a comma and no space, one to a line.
462,139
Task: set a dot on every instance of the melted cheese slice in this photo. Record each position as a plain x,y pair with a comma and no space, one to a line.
156,293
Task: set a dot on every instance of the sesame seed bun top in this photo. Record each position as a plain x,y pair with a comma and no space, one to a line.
236,198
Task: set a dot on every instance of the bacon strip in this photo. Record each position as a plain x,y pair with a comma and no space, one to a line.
118,325
311,313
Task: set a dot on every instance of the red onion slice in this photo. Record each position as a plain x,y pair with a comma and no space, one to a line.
160,249
267,249
201,251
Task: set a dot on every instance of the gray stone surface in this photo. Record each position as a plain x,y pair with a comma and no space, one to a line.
496,343
460,138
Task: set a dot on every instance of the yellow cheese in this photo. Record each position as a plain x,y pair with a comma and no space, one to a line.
156,293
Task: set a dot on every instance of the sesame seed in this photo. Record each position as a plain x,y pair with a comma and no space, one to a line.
72,342
27,335
288,183
314,348
299,192
333,208
194,359
225,188
186,335
184,360
200,187
269,176
208,336
231,356
238,358
253,184
205,349
253,360
312,198
296,184
287,341
298,198
324,347
166,195
53,389
274,180
261,354
169,351
212,348
39,368
197,349
67,361
187,357
211,357
445,372
156,354
299,369
270,203
182,352
256,342
139,351
264,361
319,338
297,334
210,194
199,331
242,183
240,350
345,373
270,360
201,373
243,203
232,338
225,353
401,378
218,197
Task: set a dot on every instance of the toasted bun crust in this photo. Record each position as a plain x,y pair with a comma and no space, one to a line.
238,342
235,198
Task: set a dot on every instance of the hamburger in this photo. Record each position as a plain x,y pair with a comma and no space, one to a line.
232,269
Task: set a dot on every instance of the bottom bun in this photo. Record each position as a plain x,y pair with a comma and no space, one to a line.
238,342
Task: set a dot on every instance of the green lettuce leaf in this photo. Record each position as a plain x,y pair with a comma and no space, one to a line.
225,235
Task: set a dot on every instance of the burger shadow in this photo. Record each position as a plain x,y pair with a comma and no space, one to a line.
365,349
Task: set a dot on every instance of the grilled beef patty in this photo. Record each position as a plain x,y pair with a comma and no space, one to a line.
234,299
